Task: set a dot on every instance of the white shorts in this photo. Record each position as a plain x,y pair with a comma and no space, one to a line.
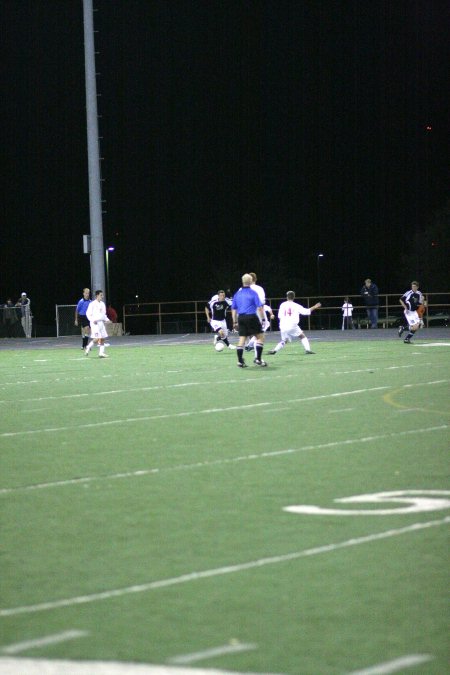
98,330
217,325
288,333
412,317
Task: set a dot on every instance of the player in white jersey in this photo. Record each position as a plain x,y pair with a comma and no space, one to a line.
96,313
289,314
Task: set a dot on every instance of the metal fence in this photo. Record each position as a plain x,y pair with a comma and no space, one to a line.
159,318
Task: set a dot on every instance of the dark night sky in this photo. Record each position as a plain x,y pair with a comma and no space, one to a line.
235,135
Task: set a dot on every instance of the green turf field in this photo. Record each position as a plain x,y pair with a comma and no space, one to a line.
143,507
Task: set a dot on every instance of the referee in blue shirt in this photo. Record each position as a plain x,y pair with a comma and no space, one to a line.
81,318
248,314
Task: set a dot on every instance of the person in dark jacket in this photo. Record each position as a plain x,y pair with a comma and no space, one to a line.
369,293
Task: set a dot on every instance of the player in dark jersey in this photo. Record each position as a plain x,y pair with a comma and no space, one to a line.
411,301
216,315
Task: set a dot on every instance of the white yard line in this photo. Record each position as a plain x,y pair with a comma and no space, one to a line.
43,642
131,390
218,571
203,382
133,420
229,460
223,650
191,413
395,665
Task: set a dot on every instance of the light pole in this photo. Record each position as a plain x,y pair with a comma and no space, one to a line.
319,256
110,248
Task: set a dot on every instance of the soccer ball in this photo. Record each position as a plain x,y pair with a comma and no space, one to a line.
219,347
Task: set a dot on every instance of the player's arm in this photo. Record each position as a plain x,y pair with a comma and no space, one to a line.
318,305
208,316
234,314
76,315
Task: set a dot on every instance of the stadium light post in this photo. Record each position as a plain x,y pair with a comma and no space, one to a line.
107,252
319,257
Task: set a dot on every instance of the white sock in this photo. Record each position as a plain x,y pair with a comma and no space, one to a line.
279,346
102,349
305,343
251,342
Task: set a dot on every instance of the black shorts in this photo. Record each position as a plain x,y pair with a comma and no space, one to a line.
249,324
83,320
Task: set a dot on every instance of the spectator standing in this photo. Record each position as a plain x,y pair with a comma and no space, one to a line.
369,293
26,317
81,318
347,314
10,318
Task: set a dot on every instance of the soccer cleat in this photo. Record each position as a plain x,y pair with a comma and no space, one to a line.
259,362
242,364
400,331
407,340
103,356
273,351
308,351
248,349
231,347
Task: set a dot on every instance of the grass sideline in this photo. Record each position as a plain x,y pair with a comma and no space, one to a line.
143,496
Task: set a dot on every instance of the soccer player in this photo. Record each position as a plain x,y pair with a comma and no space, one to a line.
289,318
81,318
96,313
216,313
268,315
411,301
248,314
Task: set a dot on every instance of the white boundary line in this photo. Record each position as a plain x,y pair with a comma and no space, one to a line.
184,659
218,462
22,666
218,571
395,665
43,642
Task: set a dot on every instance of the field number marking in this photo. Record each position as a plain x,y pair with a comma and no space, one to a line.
432,500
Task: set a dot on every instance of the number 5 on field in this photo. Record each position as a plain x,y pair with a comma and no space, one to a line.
416,501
